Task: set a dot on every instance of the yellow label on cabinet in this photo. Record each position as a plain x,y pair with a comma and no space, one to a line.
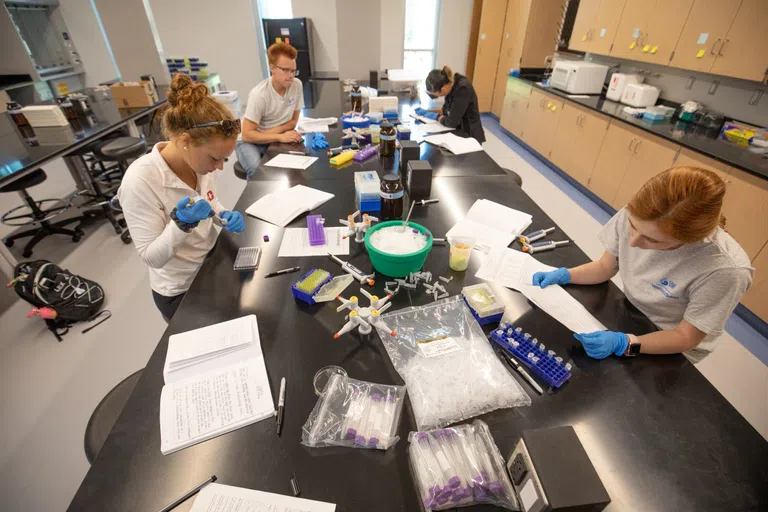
654,49
553,108
632,45
584,37
646,48
700,54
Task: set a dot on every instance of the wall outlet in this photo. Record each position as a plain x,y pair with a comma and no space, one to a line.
713,88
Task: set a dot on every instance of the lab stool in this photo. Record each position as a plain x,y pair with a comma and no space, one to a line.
121,150
240,171
37,214
515,177
106,413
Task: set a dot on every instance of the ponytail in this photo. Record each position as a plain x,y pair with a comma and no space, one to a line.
448,73
439,78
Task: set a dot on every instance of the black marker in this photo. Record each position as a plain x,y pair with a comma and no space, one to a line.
281,406
188,495
284,271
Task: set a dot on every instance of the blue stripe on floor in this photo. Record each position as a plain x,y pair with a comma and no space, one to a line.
750,331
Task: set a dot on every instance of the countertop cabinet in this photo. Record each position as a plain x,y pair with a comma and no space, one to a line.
541,121
706,27
515,106
612,162
632,29
606,23
579,137
744,51
512,41
584,25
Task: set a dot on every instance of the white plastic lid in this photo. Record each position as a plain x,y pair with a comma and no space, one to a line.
482,299
333,288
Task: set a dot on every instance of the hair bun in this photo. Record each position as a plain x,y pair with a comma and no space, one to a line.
184,92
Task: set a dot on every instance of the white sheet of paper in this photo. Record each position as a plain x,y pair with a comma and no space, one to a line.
296,243
494,214
226,498
455,144
288,161
485,236
561,306
211,340
312,127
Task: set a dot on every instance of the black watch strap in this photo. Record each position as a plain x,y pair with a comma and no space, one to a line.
184,226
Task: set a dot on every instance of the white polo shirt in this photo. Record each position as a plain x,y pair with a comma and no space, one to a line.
147,195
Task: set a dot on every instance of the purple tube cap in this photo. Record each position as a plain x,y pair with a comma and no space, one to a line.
373,442
351,433
420,435
454,482
430,503
360,441
443,498
495,487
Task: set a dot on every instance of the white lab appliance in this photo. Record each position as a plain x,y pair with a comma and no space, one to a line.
640,95
578,77
619,82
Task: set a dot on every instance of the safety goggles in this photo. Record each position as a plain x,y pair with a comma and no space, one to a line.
228,126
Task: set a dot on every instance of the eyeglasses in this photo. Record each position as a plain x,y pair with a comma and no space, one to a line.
228,126
294,72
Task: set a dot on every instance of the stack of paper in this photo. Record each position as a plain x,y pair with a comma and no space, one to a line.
282,207
491,224
515,269
288,161
455,144
226,498
44,115
309,125
215,382
429,125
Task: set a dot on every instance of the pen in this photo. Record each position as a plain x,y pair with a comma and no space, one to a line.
281,406
188,495
297,153
283,271
517,366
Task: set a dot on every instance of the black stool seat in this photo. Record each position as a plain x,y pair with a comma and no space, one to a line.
105,415
240,171
515,177
30,180
122,148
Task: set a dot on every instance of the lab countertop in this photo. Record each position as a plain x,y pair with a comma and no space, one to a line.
682,133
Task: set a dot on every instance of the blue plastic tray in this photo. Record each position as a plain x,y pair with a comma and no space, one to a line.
547,367
369,206
307,297
493,319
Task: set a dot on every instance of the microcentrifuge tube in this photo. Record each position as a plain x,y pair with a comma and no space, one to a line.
551,353
515,344
559,360
530,355
526,336
535,359
518,330
542,347
510,332
568,366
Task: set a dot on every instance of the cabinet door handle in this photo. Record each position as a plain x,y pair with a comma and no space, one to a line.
589,34
712,50
637,146
541,103
577,120
722,45
630,144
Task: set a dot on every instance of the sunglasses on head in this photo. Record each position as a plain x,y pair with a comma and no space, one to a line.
228,126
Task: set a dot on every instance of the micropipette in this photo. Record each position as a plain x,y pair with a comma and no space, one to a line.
353,271
536,235
543,246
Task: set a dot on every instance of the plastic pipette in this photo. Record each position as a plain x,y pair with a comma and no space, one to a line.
543,246
424,202
353,271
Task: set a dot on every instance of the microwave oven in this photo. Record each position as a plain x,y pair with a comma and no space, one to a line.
578,77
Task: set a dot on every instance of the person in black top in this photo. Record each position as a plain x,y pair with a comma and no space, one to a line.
460,110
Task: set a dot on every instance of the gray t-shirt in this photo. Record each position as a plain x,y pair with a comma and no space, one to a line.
700,282
268,109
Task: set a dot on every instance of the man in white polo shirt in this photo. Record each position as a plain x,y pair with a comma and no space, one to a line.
273,108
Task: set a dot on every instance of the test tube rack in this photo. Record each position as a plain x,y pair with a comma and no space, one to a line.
316,231
365,153
547,367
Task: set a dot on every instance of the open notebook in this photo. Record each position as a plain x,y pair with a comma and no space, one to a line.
226,498
455,144
491,224
281,207
215,382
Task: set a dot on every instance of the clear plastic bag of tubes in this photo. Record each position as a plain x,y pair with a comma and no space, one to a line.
356,414
447,363
458,467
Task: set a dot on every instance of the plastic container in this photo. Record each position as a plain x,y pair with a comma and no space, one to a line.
460,252
547,366
483,304
346,123
397,265
308,297
404,132
367,187
375,132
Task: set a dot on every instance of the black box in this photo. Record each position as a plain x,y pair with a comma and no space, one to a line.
418,181
551,471
409,150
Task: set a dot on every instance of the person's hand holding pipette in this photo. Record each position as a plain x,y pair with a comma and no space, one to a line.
235,221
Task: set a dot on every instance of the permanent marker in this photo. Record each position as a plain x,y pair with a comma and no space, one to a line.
284,271
281,406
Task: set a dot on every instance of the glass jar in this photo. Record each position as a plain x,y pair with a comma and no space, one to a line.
70,113
356,96
391,197
20,120
388,136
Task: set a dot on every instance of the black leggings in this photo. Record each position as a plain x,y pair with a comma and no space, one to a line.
167,305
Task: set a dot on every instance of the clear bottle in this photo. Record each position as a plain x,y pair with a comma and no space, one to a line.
388,136
391,193
356,96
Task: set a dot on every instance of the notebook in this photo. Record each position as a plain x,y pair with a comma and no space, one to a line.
281,207
455,144
226,498
287,161
215,382
491,224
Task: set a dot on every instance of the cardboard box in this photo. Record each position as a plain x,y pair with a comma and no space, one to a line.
134,94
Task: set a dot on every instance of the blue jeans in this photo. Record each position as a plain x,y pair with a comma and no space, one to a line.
249,155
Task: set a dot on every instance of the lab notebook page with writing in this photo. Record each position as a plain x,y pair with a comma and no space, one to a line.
455,144
227,498
216,394
491,224
281,207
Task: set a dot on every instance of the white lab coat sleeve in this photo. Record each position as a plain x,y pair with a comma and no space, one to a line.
155,239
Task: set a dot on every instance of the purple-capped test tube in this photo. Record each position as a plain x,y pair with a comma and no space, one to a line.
362,426
352,417
373,427
422,449
456,457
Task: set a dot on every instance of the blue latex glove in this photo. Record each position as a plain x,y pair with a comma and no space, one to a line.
544,279
235,221
201,210
601,344
426,113
318,141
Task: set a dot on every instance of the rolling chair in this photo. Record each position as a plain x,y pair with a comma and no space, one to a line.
105,415
37,214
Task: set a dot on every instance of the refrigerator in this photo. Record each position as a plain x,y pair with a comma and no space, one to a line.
296,32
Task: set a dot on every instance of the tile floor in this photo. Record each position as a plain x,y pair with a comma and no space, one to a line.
48,390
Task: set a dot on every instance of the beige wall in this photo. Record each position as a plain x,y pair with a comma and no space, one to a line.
453,39
359,32
325,41
83,25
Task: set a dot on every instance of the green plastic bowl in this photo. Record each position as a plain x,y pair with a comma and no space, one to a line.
397,265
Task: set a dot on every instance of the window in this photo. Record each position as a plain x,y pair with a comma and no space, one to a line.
275,9
420,46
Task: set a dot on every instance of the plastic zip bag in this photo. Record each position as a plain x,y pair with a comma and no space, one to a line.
458,467
356,414
448,365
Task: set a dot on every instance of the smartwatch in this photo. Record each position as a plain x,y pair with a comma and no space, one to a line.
633,347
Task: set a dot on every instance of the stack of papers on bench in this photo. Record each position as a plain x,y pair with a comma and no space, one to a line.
455,144
44,115
215,382
281,207
491,224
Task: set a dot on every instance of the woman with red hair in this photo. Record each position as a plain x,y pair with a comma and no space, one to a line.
678,265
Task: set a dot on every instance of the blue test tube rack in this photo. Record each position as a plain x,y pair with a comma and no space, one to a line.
555,374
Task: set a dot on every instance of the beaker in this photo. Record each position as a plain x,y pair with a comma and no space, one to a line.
461,250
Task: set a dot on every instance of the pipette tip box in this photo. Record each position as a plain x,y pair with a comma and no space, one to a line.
483,304
367,191
316,231
305,288
547,367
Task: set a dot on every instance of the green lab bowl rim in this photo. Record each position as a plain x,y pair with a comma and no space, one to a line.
388,223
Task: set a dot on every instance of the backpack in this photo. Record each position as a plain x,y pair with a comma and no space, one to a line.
59,296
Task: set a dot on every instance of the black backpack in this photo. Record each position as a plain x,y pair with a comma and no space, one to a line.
46,285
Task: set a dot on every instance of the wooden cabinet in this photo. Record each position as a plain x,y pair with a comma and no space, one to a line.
692,159
756,299
584,24
660,37
595,26
632,29
706,27
578,140
744,51
512,42
746,210
541,121
488,45
650,156
612,162
515,106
